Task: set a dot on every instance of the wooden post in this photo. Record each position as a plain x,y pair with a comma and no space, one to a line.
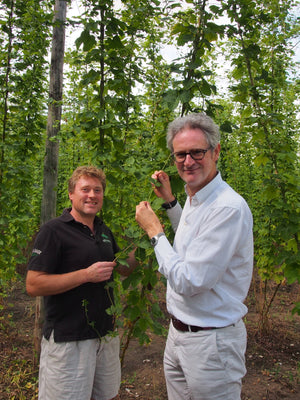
48,208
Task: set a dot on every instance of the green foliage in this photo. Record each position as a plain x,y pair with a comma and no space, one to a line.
23,68
120,94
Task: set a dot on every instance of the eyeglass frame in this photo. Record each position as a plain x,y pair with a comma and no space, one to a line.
203,152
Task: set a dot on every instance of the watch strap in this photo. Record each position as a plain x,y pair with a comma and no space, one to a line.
169,205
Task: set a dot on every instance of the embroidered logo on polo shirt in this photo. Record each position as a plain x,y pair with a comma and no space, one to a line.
105,238
36,252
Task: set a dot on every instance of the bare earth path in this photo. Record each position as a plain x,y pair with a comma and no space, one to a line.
273,362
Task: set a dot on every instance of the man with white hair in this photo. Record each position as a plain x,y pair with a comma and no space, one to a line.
208,268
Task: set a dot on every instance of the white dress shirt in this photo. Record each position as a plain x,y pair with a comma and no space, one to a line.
209,267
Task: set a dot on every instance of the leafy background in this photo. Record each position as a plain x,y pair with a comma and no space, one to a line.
119,95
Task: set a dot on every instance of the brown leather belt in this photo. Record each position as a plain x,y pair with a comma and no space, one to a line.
181,326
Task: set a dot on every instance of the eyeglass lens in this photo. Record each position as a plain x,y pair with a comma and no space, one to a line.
197,154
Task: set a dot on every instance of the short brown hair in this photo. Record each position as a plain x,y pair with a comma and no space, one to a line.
86,170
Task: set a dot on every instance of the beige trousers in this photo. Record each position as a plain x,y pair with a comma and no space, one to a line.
205,365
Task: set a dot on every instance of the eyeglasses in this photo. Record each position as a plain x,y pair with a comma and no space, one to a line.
197,155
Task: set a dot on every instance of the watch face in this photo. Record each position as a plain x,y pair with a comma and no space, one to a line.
153,240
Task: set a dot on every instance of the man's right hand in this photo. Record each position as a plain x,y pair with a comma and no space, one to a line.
163,191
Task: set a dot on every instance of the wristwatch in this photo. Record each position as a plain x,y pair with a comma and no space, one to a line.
171,204
154,239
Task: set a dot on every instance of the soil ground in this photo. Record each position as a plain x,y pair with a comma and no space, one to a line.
273,360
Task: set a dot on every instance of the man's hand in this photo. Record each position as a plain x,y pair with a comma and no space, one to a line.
39,283
100,271
163,191
147,219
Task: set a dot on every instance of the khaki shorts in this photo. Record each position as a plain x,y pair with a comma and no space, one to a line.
82,370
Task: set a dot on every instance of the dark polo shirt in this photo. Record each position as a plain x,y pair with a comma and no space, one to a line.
64,245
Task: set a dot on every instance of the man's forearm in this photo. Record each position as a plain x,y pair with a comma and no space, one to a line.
44,284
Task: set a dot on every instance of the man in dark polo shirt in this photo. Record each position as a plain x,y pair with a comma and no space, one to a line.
71,264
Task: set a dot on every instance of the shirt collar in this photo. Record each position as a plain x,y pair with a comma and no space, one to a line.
206,191
67,217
